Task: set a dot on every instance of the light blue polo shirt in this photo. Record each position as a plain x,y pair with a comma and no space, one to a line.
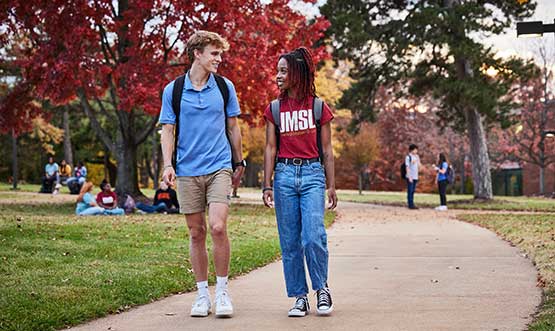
202,147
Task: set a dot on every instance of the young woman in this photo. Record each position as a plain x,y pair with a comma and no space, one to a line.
108,199
442,181
86,205
300,180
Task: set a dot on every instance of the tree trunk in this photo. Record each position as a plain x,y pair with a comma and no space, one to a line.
481,175
68,153
251,178
126,156
463,171
360,182
542,180
15,165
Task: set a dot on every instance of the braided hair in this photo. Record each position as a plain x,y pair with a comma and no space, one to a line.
300,71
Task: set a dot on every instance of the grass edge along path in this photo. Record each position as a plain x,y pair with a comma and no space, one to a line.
534,235
466,202
59,270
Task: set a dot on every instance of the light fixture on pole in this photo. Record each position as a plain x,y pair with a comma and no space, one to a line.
548,133
534,28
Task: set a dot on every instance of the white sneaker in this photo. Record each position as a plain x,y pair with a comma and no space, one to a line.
201,306
224,307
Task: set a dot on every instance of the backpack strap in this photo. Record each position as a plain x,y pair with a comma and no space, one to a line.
224,90
317,108
177,93
274,107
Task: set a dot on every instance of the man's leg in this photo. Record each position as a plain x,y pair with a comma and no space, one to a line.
192,199
218,230
218,191
197,245
410,193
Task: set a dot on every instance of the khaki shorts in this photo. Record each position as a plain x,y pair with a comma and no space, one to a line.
195,193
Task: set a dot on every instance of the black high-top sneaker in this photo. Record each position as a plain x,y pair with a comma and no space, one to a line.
301,307
324,305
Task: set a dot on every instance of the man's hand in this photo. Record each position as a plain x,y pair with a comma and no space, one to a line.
268,198
237,174
168,176
332,199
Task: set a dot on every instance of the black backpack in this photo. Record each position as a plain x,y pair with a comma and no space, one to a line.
177,93
403,168
317,108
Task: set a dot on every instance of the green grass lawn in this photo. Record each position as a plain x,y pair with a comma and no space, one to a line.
454,201
58,269
534,234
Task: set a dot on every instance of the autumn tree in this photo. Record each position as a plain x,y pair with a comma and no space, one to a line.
526,140
115,57
359,150
430,46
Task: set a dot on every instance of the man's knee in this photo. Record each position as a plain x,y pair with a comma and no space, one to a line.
197,234
218,230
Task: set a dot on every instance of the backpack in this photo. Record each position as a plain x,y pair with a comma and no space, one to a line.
450,175
177,93
317,108
403,169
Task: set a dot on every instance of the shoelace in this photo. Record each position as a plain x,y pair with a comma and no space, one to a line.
223,299
201,300
300,303
323,297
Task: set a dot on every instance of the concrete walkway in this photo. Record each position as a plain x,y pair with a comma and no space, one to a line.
390,269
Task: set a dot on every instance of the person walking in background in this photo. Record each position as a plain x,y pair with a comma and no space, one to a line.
108,199
86,205
442,181
299,155
412,163
207,145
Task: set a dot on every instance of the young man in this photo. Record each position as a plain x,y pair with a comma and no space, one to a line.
204,162
412,162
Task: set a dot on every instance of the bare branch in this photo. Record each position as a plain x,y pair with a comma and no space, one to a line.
100,132
147,131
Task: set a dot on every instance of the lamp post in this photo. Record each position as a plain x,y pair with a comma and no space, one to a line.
534,28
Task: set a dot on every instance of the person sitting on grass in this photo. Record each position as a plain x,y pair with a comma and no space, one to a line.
165,201
64,173
85,202
80,175
51,176
108,199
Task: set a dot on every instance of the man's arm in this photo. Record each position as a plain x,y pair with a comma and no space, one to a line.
167,142
234,132
329,164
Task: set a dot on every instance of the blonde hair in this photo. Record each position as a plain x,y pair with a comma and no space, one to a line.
201,39
87,187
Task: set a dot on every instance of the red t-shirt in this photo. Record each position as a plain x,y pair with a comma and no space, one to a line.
298,128
107,199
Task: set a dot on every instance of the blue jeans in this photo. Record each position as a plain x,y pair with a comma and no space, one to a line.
299,197
92,211
160,207
115,211
411,188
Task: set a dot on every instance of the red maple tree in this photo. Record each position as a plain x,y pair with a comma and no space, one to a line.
115,57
